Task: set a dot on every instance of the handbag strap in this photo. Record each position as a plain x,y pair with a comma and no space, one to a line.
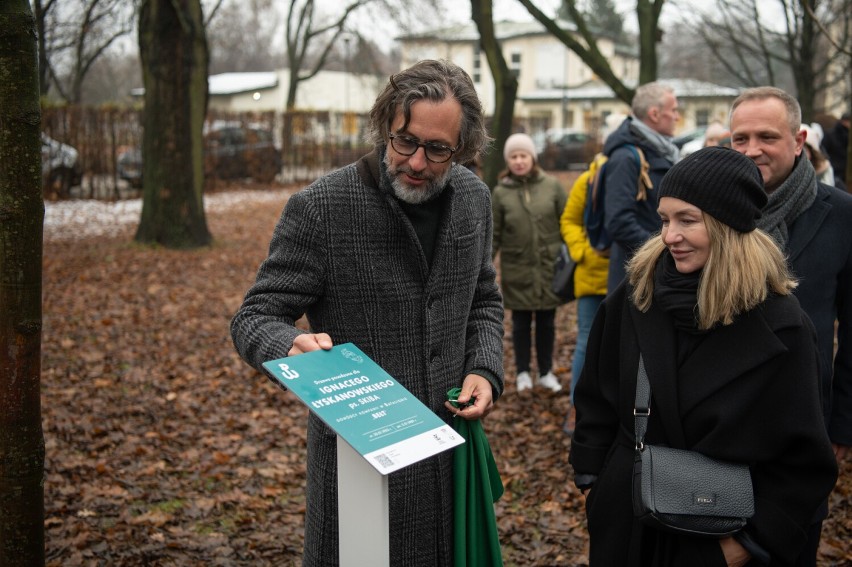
642,405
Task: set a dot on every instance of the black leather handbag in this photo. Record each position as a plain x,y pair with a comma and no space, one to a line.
563,275
682,491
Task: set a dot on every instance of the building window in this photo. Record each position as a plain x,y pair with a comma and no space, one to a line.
515,64
477,64
702,117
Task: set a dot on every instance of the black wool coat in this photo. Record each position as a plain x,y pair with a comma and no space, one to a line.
747,393
820,252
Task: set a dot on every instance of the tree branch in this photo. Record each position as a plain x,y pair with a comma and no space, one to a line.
591,56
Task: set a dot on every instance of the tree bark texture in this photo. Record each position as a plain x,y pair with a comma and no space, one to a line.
648,14
173,50
21,223
505,90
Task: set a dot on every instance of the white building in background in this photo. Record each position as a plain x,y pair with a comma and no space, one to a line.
838,75
556,89
331,91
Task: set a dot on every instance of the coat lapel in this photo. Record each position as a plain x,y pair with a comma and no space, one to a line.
727,354
811,223
657,342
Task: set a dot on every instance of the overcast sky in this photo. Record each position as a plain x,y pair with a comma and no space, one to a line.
383,30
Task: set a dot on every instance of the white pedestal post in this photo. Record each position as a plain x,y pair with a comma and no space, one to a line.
362,507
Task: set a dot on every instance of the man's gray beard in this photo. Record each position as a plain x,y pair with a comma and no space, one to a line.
415,196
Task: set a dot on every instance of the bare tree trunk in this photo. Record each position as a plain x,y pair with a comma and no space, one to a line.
648,13
304,34
21,223
173,49
41,9
505,89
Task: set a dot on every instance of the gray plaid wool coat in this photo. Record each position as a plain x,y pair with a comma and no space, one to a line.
345,254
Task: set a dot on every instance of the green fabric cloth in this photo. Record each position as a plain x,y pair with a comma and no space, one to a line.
477,486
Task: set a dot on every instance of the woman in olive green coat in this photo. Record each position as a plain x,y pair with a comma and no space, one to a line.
527,204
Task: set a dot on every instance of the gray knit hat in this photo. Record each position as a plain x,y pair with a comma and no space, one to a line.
720,181
518,142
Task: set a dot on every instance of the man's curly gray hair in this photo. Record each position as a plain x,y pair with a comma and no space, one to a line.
435,81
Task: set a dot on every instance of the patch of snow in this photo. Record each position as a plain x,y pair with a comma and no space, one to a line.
83,218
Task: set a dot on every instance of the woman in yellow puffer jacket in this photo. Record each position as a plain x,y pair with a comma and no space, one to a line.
590,276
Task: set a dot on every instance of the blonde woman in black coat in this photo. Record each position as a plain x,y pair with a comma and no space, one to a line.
732,363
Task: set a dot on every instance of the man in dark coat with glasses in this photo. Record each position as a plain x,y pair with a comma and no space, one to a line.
393,254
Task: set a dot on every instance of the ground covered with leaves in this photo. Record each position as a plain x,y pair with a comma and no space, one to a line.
164,448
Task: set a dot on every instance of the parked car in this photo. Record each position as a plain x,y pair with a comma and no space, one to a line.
230,152
567,149
692,135
130,166
60,167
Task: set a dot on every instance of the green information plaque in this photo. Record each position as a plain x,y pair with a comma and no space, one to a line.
365,406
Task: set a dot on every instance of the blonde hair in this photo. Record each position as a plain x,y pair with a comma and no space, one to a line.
741,270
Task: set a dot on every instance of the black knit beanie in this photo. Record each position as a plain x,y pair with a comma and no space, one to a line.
720,181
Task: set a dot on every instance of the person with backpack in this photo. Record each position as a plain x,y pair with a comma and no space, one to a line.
527,204
629,200
592,268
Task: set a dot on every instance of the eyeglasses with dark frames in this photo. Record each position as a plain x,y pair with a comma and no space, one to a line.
436,153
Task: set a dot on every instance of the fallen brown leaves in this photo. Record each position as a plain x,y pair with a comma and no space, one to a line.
164,448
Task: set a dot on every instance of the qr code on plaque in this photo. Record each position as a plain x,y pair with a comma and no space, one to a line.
384,460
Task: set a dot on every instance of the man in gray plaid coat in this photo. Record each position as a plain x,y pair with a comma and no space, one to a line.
393,254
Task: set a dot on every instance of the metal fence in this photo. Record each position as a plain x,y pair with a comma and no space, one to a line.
309,143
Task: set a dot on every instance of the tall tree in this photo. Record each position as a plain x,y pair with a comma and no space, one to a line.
21,222
756,50
73,36
42,10
841,42
311,36
101,23
173,49
307,35
601,16
505,87
586,47
241,36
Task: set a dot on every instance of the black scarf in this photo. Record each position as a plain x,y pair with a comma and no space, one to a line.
677,293
795,195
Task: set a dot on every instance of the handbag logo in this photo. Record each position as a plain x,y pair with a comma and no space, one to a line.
704,499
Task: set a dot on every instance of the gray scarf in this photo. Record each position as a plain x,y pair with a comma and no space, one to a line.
788,201
662,144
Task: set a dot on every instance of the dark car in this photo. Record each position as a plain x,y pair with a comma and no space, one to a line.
230,152
567,149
